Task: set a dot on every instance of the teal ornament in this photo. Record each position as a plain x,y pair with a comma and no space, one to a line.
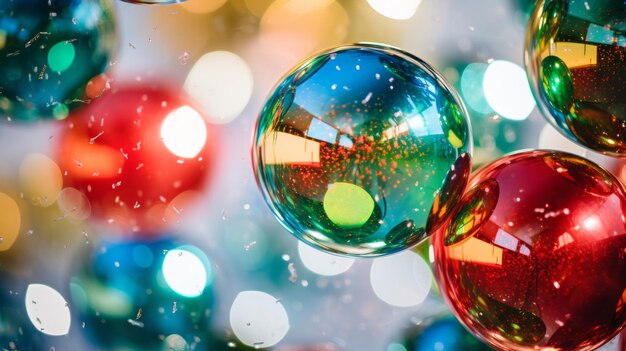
53,55
143,295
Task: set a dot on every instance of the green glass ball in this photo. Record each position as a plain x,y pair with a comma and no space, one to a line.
362,150
576,63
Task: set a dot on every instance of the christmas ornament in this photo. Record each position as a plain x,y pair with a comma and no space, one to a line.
53,55
362,150
576,62
441,333
139,154
533,259
143,295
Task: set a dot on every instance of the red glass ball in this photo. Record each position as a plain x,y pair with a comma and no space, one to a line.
140,154
534,258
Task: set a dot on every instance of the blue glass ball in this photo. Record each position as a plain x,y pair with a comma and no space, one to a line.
143,295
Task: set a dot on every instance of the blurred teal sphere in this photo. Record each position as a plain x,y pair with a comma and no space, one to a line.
143,295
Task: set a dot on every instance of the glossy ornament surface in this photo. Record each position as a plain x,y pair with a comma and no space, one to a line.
140,155
53,55
533,259
143,295
576,63
361,150
442,333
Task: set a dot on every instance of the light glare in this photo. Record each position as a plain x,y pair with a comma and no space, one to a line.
507,91
258,319
184,272
47,310
221,82
184,132
402,280
395,9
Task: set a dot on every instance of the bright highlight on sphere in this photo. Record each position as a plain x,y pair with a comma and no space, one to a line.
395,9
221,82
184,132
507,91
322,263
184,272
258,319
47,310
401,280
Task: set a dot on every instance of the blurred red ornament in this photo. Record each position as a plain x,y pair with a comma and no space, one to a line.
140,154
534,258
621,346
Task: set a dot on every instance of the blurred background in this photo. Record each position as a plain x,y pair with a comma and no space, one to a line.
260,288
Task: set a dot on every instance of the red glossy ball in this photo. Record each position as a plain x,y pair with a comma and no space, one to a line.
534,258
140,155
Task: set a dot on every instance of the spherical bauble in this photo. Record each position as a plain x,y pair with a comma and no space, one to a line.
533,258
140,155
143,295
362,150
53,55
576,63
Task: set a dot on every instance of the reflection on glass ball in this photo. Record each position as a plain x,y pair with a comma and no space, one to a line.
441,333
576,62
534,256
362,150
141,156
53,55
143,295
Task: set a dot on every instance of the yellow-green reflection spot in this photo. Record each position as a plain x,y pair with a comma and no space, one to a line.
60,111
348,205
61,56
454,140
